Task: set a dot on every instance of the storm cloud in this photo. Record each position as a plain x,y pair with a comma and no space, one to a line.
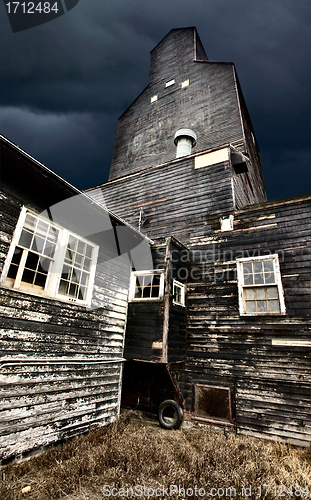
64,83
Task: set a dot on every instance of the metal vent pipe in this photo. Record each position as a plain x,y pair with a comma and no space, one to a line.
184,139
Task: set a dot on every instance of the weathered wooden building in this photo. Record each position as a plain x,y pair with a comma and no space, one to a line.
216,316
65,270
222,322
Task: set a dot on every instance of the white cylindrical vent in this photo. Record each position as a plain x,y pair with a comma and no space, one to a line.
184,139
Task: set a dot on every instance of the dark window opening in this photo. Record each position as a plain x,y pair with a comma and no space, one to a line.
213,404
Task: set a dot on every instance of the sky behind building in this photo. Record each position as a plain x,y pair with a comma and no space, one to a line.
65,83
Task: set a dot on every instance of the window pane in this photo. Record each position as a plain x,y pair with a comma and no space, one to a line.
274,306
28,276
75,276
73,290
268,266
248,279
258,279
155,291
89,251
40,280
272,292
42,228
30,222
32,261
72,243
49,249
44,265
84,279
37,244
249,294
78,260
81,247
82,293
25,239
52,234
15,263
66,272
248,268
250,306
147,292
269,278
261,306
63,287
68,256
261,294
257,266
156,280
87,264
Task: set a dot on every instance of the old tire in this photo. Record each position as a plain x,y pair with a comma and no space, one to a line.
170,414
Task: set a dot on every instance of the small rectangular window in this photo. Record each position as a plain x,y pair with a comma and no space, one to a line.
171,82
147,285
260,286
48,260
213,403
179,290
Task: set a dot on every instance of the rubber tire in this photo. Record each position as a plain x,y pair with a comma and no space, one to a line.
179,414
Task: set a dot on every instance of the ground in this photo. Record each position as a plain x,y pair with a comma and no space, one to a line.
132,459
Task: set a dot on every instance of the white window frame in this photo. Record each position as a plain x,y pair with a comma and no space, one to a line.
182,287
50,289
134,275
278,283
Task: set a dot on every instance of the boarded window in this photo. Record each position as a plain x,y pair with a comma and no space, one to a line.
213,403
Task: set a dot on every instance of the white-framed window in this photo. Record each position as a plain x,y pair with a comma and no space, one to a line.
45,259
179,293
260,286
146,285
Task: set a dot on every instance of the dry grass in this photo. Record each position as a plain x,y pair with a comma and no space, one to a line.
132,453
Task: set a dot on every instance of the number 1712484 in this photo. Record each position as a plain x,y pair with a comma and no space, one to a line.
31,7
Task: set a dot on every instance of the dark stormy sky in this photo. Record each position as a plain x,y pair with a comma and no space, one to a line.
65,83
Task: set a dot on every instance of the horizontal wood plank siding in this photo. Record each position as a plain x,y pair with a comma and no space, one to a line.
177,199
271,383
61,363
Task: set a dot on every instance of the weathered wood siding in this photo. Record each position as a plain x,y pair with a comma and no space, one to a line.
61,363
144,331
176,197
271,383
209,105
177,314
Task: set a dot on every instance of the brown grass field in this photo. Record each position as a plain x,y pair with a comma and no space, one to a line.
130,453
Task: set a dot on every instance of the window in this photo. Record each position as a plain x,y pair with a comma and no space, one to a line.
213,404
47,260
147,285
178,293
260,287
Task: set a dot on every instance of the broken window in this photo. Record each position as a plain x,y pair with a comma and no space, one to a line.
260,286
48,260
213,403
